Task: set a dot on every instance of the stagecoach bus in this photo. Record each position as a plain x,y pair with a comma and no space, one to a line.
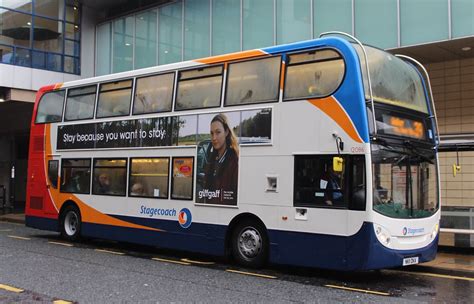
321,153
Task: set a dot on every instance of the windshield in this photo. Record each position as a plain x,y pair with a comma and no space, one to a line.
393,80
404,181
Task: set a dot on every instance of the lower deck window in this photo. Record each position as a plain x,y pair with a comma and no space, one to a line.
149,177
110,177
76,176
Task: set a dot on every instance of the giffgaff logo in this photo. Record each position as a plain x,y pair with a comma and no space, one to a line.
209,194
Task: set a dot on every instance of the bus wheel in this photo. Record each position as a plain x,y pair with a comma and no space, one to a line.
250,244
71,223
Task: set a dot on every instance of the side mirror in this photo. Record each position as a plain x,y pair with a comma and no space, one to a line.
337,164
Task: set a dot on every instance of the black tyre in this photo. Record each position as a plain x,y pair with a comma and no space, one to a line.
250,244
71,223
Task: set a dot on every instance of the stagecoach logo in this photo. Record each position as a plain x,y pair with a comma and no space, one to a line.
185,218
412,231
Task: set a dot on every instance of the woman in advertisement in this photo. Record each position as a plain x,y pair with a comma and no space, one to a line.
221,171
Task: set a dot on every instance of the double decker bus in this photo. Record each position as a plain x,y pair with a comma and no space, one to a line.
321,153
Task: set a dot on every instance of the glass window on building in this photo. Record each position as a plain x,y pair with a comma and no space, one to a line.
225,26
145,39
376,22
35,34
123,29
330,15
257,15
170,33
15,28
419,24
462,17
293,20
103,62
196,29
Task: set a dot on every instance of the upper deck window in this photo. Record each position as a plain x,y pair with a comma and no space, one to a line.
50,108
80,103
153,94
199,88
313,74
253,81
393,81
114,99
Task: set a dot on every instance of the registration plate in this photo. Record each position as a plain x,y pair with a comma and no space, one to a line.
410,261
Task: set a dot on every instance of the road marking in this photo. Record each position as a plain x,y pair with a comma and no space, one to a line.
359,290
61,244
5,230
10,288
444,276
110,251
251,274
171,261
62,302
18,237
197,262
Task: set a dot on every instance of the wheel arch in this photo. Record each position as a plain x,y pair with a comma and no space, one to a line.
233,223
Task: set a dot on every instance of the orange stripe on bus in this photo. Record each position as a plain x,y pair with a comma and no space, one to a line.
58,86
282,78
88,214
333,109
232,56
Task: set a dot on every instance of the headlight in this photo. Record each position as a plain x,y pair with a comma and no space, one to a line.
435,231
382,235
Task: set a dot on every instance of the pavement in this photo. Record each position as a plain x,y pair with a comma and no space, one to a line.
449,260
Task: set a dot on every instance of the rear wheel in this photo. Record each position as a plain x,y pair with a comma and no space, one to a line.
250,244
71,223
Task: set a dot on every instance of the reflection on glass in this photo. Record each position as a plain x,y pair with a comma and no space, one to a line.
253,81
149,177
18,5
114,99
199,88
50,108
15,28
154,94
76,176
309,76
49,8
169,35
182,183
80,103
47,35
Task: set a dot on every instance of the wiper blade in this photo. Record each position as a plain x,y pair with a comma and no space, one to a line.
408,144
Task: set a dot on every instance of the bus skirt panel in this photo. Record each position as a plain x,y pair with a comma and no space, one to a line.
361,251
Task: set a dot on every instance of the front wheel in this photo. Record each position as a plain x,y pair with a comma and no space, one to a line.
71,223
250,244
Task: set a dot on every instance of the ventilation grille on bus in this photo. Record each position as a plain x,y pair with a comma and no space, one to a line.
38,144
36,202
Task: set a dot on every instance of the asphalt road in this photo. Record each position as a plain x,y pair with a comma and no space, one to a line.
46,269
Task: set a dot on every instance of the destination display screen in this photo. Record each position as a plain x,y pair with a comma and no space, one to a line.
401,126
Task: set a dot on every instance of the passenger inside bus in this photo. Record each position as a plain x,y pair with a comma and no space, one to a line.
103,185
138,190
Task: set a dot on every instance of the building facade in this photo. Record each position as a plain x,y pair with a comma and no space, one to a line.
49,41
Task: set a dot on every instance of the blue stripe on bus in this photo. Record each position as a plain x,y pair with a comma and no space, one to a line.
357,252
349,95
